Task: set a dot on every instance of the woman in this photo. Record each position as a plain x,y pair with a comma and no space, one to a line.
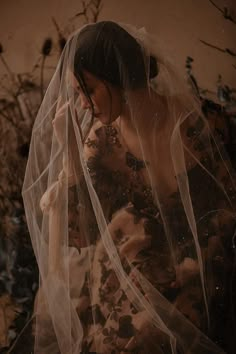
130,202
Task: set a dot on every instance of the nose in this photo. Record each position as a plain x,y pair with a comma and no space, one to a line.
85,104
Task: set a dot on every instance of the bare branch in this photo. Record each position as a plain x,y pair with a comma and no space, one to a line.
9,119
225,12
96,9
36,65
57,26
226,50
42,77
217,7
4,115
9,71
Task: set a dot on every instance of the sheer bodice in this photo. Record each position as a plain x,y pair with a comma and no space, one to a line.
138,231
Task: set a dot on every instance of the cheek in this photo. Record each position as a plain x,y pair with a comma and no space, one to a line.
103,102
108,104
116,105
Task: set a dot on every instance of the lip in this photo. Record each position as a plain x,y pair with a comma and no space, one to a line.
96,115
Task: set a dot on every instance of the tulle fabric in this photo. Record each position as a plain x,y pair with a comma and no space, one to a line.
191,199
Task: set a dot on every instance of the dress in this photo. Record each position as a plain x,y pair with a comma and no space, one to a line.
111,322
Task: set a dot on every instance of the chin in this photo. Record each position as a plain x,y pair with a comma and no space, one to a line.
104,120
107,120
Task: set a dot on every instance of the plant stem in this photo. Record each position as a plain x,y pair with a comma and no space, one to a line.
41,77
10,73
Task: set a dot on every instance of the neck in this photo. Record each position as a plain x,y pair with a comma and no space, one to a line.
145,106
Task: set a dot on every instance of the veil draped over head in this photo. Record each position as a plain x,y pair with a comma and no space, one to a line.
130,203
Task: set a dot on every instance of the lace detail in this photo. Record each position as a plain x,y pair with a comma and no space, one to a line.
142,243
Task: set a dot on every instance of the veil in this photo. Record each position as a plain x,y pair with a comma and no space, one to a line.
132,221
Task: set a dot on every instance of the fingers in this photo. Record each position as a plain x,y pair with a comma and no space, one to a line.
61,110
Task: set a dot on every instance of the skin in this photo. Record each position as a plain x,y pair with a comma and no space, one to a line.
106,98
109,104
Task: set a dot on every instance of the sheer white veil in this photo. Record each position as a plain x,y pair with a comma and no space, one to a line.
163,119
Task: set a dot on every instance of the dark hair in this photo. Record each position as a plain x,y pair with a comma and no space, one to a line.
110,53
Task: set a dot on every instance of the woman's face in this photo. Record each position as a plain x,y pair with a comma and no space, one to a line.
106,99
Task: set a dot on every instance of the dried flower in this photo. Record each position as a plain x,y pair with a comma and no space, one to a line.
47,47
62,43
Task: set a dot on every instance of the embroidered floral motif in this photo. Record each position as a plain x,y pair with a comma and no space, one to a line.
122,190
92,143
134,163
112,135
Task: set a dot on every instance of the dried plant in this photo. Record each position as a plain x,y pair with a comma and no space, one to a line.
226,12
222,101
90,11
224,94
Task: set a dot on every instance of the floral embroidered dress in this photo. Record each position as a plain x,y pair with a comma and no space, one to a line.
111,323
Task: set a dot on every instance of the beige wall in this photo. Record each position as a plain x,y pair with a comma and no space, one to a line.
178,24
